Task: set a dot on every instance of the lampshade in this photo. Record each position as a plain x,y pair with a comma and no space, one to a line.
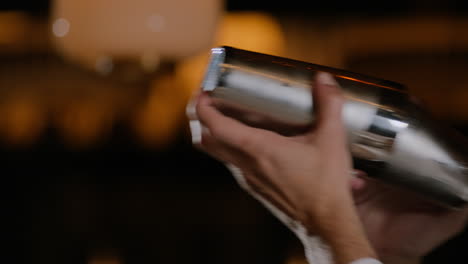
94,32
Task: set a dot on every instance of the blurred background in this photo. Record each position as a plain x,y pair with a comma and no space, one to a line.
97,165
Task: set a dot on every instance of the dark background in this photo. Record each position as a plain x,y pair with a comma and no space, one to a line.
171,204
303,7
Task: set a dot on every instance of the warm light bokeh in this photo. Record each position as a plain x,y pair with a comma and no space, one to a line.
104,260
87,30
255,31
93,95
157,121
160,118
84,123
22,120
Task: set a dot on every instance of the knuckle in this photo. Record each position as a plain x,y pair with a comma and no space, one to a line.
264,161
335,106
197,109
257,186
249,143
216,130
337,99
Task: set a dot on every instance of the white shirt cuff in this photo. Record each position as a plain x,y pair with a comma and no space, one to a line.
366,261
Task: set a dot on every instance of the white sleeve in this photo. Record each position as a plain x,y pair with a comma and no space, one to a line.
366,261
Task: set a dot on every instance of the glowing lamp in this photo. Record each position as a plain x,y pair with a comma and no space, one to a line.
95,32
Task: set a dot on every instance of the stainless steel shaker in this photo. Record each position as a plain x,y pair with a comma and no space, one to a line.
391,138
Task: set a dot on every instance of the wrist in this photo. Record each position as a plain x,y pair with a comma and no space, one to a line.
348,244
340,227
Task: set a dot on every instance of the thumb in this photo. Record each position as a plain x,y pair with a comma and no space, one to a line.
328,104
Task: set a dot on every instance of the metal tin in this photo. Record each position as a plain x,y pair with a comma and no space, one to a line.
390,137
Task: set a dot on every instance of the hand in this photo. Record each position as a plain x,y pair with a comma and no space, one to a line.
306,176
402,227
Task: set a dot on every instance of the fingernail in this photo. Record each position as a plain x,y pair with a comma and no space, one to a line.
191,110
326,78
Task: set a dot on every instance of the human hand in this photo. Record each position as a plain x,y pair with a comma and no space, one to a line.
306,176
402,227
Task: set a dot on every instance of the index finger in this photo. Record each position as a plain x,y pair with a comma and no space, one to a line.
228,130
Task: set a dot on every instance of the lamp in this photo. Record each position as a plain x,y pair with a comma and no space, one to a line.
136,42
96,33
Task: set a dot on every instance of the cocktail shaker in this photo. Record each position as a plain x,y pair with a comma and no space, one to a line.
391,138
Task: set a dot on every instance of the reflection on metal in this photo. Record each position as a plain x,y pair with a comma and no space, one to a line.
390,138
369,83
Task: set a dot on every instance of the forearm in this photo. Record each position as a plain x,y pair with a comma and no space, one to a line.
341,229
346,238
348,245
